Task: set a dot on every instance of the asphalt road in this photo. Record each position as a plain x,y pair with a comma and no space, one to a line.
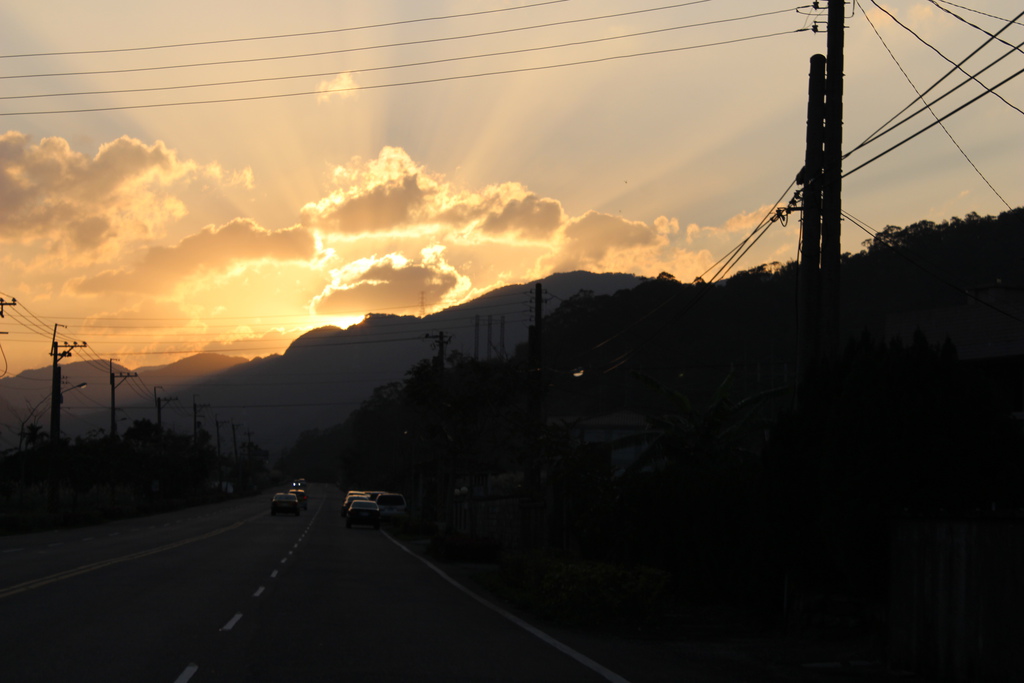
230,593
227,593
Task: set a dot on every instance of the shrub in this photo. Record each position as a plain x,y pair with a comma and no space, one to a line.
463,548
585,592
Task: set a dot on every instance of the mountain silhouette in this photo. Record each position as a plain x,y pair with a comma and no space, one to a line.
321,377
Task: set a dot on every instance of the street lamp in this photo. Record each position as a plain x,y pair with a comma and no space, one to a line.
55,418
32,412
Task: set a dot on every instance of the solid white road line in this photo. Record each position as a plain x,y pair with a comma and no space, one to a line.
607,674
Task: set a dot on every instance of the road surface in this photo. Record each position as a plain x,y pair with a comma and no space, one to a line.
230,593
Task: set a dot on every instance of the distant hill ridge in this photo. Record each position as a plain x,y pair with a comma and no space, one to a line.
687,334
315,383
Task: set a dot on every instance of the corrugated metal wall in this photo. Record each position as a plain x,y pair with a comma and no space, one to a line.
957,598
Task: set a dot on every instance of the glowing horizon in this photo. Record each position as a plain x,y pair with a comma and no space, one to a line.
243,224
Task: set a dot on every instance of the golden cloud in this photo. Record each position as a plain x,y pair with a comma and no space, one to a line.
87,209
342,85
211,249
393,284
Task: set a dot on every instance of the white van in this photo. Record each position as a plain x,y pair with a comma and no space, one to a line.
391,505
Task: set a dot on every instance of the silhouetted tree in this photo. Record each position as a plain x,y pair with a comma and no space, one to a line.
886,430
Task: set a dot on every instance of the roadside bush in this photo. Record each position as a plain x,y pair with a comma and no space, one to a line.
584,592
412,525
463,548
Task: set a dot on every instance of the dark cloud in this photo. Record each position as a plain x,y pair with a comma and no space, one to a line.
385,288
382,207
595,236
530,216
90,232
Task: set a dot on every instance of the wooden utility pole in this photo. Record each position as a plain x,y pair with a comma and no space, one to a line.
439,359
122,376
196,407
809,295
532,512
160,402
832,186
818,338
58,350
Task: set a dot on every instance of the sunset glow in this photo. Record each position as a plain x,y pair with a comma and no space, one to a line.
405,180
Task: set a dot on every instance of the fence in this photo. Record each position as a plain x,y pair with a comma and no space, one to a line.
957,598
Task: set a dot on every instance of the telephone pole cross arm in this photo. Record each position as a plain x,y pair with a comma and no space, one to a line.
58,350
116,379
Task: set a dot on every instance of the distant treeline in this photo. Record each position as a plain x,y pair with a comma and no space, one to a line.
735,491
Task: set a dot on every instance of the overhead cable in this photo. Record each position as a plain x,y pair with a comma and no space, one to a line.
934,115
324,74
886,128
304,34
425,81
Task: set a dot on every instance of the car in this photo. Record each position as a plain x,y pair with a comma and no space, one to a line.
284,502
363,511
391,505
303,498
352,495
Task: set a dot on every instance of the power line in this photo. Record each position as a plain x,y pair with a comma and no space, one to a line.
969,9
930,126
434,62
944,128
725,265
304,34
956,66
425,81
410,43
886,128
426,41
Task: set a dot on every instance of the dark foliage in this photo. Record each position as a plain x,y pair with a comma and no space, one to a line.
582,592
464,548
96,478
889,429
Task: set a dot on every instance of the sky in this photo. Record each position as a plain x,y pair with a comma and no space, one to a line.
224,176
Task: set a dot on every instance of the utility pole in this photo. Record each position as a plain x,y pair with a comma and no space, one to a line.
240,473
196,407
443,465
439,360
159,405
58,350
536,357
832,186
122,376
809,294
12,302
532,513
820,249
220,463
